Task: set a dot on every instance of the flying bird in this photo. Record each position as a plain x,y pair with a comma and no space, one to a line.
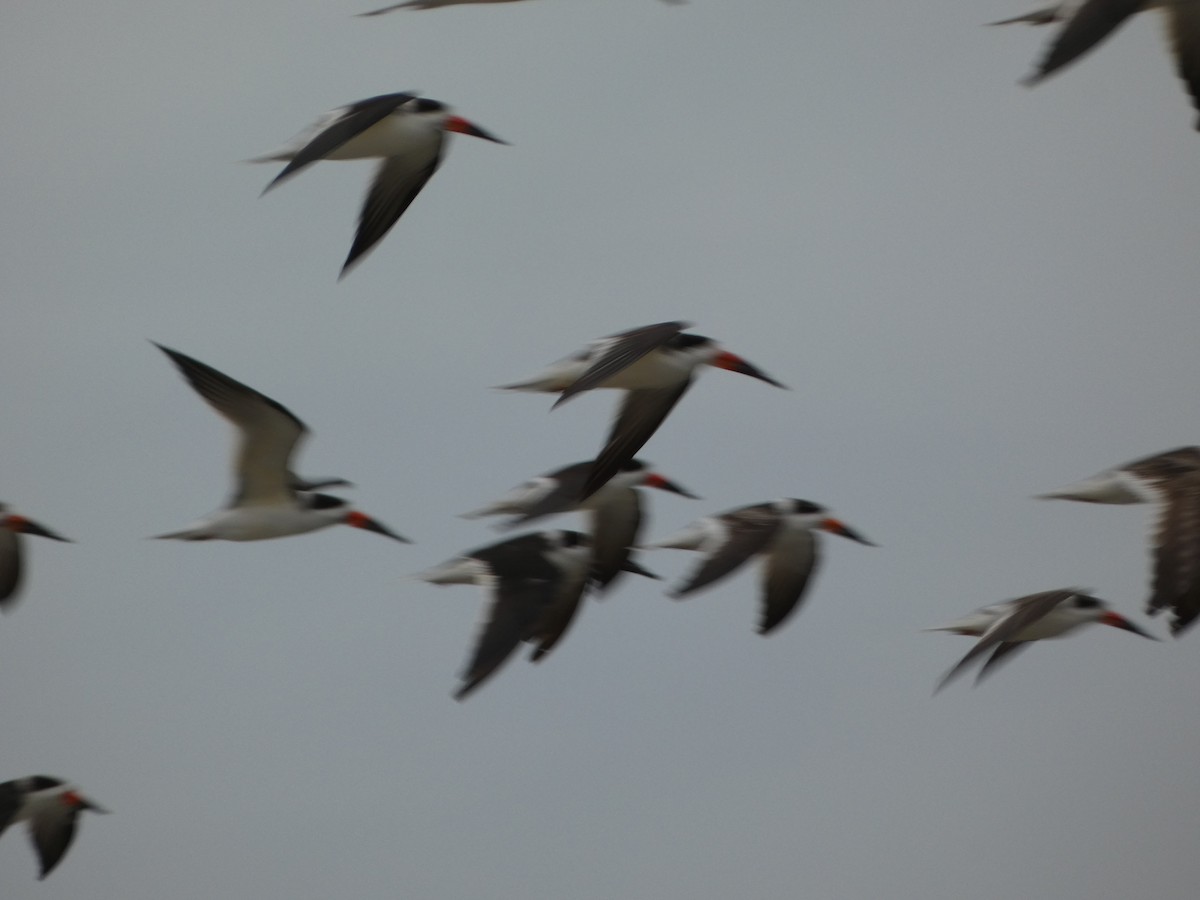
536,582
406,131
655,365
782,532
437,4
616,510
51,807
1089,22
12,527
1171,480
1007,627
270,500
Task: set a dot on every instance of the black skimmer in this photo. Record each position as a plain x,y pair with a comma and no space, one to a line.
1009,626
781,531
12,527
438,4
50,806
1089,22
536,581
270,501
616,510
406,131
655,365
1172,480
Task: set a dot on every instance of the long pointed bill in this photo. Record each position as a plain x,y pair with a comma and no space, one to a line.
462,126
359,520
27,526
735,363
1116,621
655,480
833,526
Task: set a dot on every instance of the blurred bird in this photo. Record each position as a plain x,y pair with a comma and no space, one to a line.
536,582
655,365
616,510
1089,22
50,806
1171,480
11,527
436,4
781,531
270,501
409,134
1009,626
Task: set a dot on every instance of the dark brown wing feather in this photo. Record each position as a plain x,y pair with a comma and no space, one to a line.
615,527
1177,553
10,567
395,187
52,832
788,570
641,413
358,118
627,348
748,532
1183,32
1093,22
1003,652
514,611
1028,610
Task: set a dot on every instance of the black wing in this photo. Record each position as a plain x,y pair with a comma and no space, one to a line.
1093,22
641,413
627,347
395,187
356,119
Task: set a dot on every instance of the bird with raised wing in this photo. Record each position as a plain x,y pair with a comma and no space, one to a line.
268,502
654,365
1007,627
406,131
781,532
1172,481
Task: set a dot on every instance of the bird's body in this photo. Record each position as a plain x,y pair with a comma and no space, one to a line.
1006,627
50,807
266,503
12,526
1170,480
655,365
536,582
1087,23
781,532
407,132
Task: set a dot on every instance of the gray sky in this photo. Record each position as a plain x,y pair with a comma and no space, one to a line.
977,292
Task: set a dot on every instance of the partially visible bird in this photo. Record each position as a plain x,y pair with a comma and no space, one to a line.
1172,481
616,509
654,364
12,527
437,4
406,131
50,806
536,582
1089,22
781,532
269,501
1007,627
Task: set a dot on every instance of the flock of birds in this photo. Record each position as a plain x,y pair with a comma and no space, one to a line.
538,580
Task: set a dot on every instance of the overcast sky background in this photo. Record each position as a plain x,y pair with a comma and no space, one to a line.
977,292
